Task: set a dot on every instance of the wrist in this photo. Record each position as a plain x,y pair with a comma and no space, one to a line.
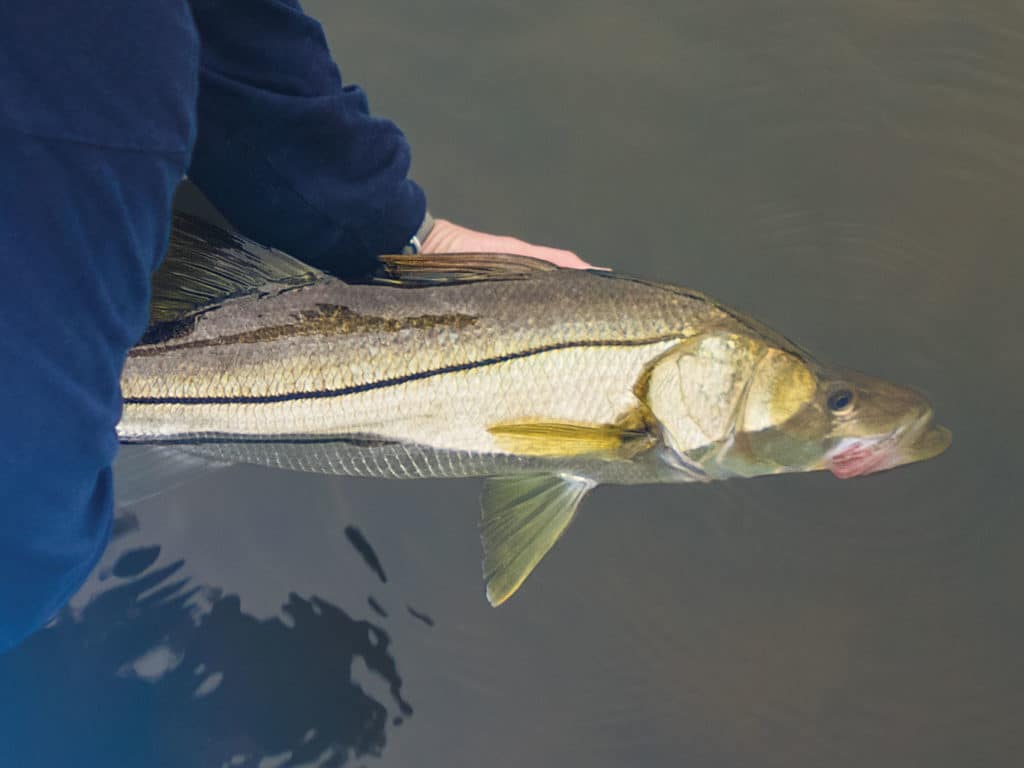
415,244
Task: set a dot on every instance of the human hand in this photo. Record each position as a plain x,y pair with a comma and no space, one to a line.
446,237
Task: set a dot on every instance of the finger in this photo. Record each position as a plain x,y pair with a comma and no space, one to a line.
556,256
448,237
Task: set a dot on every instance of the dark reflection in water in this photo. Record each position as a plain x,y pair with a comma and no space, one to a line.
377,607
156,671
419,615
362,546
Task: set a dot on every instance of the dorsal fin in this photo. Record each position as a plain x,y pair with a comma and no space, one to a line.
206,264
423,269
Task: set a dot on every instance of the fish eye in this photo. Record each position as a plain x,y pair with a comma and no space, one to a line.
841,400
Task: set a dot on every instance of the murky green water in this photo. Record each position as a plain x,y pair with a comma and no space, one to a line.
850,173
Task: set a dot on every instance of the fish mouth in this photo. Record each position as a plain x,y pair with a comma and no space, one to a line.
920,441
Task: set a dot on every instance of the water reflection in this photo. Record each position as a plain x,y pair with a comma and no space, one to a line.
158,671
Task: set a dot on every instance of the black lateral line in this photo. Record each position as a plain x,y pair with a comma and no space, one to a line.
397,380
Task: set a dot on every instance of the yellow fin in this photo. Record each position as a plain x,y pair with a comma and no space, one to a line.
569,439
523,517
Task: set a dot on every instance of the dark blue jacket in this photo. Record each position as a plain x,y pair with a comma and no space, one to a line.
103,107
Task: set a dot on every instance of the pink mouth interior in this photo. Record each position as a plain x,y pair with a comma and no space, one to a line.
859,459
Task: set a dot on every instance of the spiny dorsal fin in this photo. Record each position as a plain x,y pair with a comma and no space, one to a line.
423,269
206,264
569,439
523,516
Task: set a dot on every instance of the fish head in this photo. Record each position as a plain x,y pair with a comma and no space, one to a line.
799,416
745,403
877,425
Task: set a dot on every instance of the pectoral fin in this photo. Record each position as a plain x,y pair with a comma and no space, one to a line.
523,517
567,439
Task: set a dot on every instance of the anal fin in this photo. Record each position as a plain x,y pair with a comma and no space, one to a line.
523,516
143,471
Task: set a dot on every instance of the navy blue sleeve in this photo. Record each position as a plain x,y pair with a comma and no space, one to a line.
96,120
286,151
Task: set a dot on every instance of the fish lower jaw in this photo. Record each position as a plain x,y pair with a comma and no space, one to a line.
862,457
919,442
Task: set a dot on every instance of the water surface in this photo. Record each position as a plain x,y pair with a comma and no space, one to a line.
850,173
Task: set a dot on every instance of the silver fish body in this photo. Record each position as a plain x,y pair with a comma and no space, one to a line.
546,381
405,382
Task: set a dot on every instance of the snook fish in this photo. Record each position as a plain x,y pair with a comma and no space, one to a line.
546,381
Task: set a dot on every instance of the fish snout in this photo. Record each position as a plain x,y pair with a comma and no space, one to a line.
926,441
